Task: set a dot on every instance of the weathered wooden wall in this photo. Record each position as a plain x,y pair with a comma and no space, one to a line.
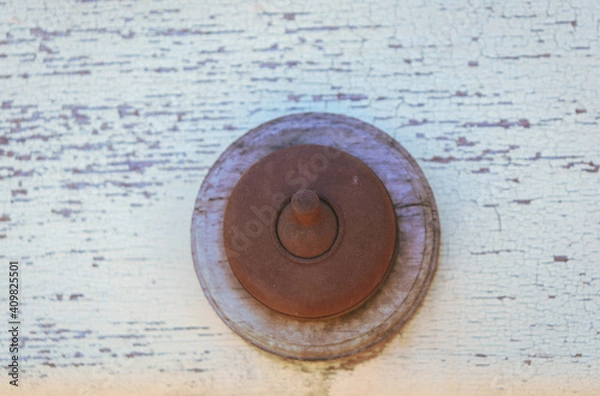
112,112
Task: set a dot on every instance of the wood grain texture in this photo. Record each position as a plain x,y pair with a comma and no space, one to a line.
112,112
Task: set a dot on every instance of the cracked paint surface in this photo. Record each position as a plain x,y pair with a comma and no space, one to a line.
111,113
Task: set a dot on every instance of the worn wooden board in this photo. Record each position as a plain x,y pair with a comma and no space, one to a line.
112,112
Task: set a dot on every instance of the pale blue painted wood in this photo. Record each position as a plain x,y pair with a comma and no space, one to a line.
112,112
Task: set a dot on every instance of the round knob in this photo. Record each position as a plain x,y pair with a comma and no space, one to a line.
307,226
305,205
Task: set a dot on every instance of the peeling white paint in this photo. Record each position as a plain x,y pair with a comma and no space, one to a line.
111,114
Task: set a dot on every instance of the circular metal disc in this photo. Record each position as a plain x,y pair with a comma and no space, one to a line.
411,270
346,274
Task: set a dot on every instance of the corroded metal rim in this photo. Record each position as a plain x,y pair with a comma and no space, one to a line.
418,237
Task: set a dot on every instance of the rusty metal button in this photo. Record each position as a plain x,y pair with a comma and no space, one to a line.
307,226
310,231
293,229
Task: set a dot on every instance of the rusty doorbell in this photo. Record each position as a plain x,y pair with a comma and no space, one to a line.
315,236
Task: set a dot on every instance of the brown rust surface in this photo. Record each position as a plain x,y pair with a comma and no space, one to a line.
310,231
